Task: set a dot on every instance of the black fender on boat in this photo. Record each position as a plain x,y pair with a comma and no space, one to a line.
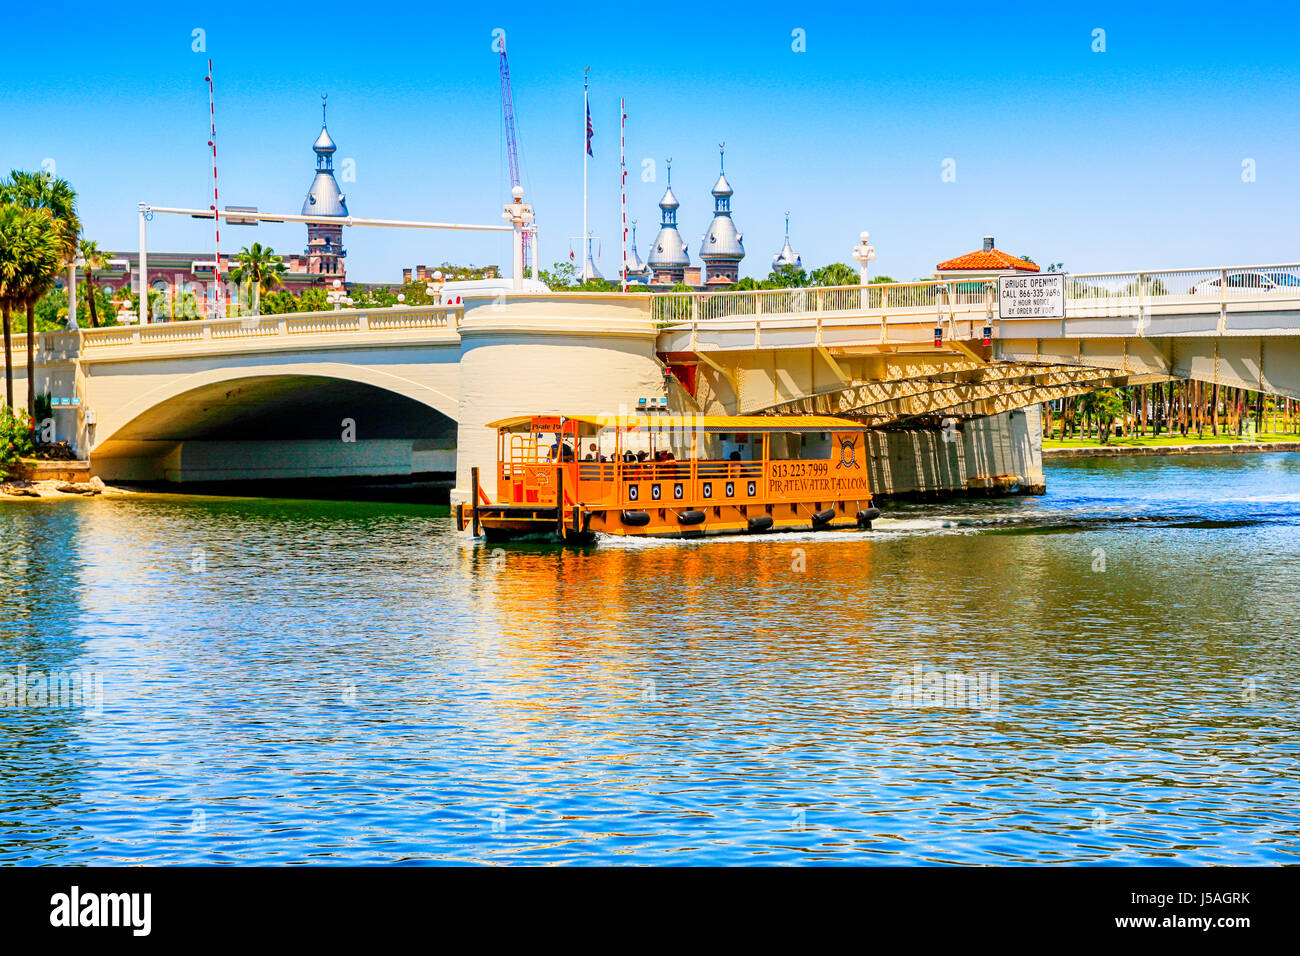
760,522
690,517
823,516
636,519
866,516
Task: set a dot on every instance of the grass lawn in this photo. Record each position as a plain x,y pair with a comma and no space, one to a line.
1164,439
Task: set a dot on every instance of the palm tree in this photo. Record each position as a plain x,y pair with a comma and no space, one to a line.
42,260
31,253
57,200
93,259
261,268
40,191
1103,406
12,227
837,273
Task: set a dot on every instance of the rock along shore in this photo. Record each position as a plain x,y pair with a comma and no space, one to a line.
17,488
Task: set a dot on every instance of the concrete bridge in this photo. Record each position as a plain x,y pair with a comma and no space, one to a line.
404,392
872,351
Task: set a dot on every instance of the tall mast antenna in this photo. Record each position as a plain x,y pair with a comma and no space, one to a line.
622,164
219,297
586,151
512,136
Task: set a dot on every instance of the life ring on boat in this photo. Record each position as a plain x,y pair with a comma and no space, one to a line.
866,516
636,519
760,523
690,517
823,516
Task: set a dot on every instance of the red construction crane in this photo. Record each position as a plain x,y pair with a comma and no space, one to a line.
512,139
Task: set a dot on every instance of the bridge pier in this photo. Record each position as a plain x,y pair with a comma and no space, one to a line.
570,353
997,455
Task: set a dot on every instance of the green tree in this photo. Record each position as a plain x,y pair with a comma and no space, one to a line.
278,303
837,273
313,299
260,270
787,277
31,252
416,293
41,267
15,230
16,438
881,280
454,273
93,260
56,196
373,298
49,245
561,275
1103,406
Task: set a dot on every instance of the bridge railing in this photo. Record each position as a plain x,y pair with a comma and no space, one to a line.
289,325
673,307
1113,292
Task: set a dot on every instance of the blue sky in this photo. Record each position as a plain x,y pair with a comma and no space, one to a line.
1131,158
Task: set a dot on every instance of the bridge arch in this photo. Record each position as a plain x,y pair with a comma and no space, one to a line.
293,421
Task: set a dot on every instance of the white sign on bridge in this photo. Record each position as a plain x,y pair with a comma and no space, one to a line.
1031,296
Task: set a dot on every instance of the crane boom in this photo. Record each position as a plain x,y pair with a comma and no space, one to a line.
512,139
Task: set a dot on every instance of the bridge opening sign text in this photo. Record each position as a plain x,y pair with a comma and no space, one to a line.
1031,297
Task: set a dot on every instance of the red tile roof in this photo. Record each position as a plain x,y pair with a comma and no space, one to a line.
990,259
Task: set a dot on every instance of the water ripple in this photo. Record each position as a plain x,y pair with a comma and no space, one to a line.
314,682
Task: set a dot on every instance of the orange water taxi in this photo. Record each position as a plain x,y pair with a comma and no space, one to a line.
572,477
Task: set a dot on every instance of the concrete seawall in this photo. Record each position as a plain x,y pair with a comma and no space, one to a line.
1224,448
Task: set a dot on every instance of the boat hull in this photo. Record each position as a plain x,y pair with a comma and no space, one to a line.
581,526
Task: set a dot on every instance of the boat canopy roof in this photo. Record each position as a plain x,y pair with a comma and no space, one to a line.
708,423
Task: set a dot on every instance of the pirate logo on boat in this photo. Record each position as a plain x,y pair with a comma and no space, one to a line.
848,453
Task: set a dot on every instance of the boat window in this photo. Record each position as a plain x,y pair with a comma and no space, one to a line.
738,446
682,443
800,445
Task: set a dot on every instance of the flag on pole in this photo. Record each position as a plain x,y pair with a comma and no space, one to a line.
589,152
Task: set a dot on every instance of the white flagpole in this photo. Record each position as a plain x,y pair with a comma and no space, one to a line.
586,115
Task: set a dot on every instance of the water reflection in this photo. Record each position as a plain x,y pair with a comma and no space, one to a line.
312,681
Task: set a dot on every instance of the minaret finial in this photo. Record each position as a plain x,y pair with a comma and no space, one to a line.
722,157
670,170
323,98
787,225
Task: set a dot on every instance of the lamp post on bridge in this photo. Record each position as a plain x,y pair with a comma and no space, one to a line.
518,214
337,296
433,288
864,253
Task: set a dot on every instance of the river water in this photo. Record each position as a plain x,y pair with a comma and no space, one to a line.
1107,674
